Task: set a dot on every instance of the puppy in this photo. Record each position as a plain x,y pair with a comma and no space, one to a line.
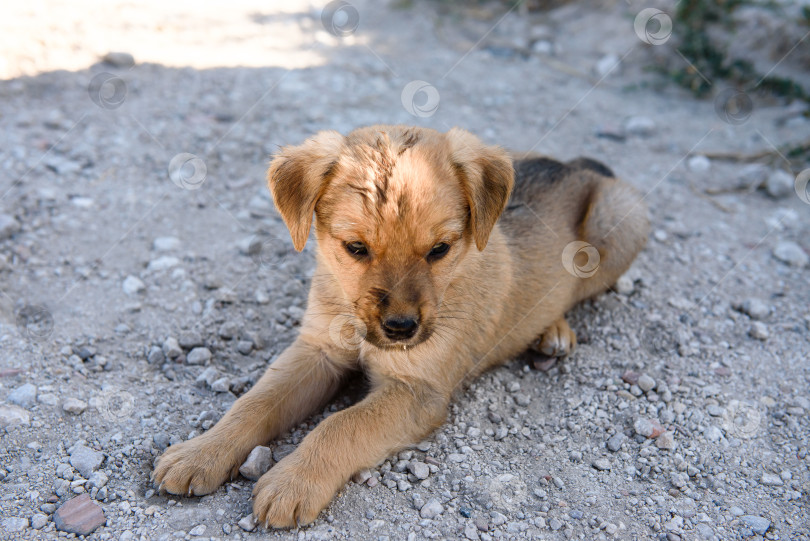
428,273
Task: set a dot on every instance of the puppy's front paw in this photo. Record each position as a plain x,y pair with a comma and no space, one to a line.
290,495
195,467
557,341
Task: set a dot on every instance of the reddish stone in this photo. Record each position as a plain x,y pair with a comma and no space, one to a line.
80,515
631,377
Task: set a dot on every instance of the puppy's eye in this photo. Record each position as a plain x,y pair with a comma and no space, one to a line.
438,251
357,249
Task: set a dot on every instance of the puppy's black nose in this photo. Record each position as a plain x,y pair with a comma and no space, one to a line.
400,327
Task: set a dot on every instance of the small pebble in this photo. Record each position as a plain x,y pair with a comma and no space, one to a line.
615,442
431,509
247,523
74,406
779,184
759,331
699,163
771,479
24,396
666,441
791,253
198,356
133,285
601,464
758,524
119,59
257,463
646,383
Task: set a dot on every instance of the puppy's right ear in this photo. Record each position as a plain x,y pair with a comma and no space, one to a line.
297,178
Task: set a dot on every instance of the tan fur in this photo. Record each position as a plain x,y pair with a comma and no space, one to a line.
502,287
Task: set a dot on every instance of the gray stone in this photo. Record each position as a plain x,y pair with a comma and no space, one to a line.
11,416
85,460
771,479
646,383
760,525
162,263
39,521
165,244
198,530
601,464
699,163
419,469
555,523
258,462
247,523
679,480
755,308
713,433
790,253
74,406
244,347
666,441
779,184
8,226
155,356
171,348
98,480
207,377
615,441
191,340
640,125
133,285
14,524
119,59
24,396
624,285
222,385
431,509
759,331
198,356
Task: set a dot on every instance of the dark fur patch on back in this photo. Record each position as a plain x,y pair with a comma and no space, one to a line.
541,170
592,165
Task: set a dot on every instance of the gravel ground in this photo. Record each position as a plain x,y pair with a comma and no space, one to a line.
142,291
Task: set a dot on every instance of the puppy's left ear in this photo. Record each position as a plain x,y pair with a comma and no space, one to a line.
297,178
487,177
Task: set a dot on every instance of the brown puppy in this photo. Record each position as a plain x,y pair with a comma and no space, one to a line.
420,285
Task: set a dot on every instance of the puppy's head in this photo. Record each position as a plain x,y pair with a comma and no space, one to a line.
397,209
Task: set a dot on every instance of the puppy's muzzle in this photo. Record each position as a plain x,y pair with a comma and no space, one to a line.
400,327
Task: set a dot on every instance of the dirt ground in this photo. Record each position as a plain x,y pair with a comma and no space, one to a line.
137,237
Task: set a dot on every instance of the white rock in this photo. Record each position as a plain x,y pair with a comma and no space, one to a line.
699,163
74,406
163,263
133,285
640,125
759,331
85,460
247,523
8,226
24,396
165,244
431,509
771,479
624,285
779,184
198,356
13,416
791,253
609,64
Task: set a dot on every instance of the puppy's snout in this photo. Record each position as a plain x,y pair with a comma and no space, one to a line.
400,327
